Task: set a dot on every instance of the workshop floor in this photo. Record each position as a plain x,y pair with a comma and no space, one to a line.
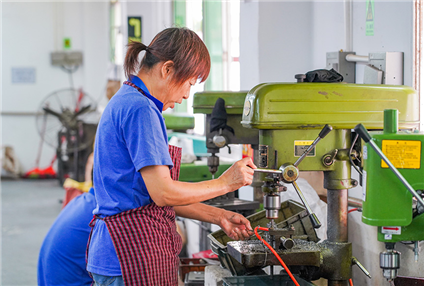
28,208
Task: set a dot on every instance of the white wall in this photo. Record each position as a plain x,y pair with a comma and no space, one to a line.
279,39
31,30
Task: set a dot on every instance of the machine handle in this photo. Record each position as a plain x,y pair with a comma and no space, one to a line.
271,171
327,128
362,132
363,269
314,219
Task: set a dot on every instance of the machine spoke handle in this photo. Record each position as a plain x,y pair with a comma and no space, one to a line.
269,171
327,128
314,219
363,133
363,269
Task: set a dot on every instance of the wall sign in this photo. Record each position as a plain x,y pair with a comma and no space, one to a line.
369,22
134,29
23,75
67,43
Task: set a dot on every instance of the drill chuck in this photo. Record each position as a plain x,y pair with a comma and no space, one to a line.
389,262
272,203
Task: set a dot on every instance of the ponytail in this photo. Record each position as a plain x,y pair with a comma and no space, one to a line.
180,45
131,58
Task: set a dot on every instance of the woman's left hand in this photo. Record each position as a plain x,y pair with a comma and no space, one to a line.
235,225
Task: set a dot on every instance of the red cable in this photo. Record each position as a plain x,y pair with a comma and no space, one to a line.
275,253
350,282
352,210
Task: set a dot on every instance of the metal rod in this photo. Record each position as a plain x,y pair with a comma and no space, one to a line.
357,58
267,171
396,172
312,146
315,221
327,128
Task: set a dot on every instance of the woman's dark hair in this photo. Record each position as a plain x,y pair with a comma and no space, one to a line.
180,45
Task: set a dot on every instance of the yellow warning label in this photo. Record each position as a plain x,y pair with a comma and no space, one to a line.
404,154
300,147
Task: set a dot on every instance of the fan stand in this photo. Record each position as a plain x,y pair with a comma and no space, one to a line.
68,113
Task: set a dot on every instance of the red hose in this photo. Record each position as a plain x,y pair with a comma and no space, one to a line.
350,282
275,253
352,210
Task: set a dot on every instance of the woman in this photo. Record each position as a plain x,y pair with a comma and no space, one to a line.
134,240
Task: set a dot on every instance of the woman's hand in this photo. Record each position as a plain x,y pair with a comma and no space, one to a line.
238,175
235,225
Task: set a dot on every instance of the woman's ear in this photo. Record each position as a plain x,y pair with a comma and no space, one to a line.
167,69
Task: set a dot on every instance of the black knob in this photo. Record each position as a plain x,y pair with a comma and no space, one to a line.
327,128
300,77
362,132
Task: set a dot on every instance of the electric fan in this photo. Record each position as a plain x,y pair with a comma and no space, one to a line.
67,121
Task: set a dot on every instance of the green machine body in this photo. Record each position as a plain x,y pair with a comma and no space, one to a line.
289,116
387,203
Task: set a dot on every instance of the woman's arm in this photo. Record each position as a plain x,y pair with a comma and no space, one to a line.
233,224
166,192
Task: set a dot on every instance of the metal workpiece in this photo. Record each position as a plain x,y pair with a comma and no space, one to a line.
287,243
390,263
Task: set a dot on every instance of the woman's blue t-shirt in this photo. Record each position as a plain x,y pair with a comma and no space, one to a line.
131,135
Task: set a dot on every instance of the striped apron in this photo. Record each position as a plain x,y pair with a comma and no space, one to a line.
146,240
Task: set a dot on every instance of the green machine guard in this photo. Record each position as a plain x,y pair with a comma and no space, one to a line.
387,203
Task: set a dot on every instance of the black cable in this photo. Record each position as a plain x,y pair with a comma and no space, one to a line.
350,153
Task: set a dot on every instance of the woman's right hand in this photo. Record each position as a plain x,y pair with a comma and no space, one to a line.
239,174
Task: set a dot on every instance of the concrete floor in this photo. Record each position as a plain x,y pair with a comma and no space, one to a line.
28,208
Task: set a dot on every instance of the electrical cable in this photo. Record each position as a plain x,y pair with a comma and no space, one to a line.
352,210
350,153
275,253
70,71
350,282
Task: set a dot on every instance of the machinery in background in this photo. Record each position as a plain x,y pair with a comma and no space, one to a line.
380,68
223,112
287,116
67,121
393,188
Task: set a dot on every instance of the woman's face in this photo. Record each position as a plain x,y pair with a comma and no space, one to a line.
176,93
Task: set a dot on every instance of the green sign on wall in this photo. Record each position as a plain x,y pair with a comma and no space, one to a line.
369,22
134,29
67,43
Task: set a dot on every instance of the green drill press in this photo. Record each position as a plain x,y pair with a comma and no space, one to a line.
288,117
393,188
